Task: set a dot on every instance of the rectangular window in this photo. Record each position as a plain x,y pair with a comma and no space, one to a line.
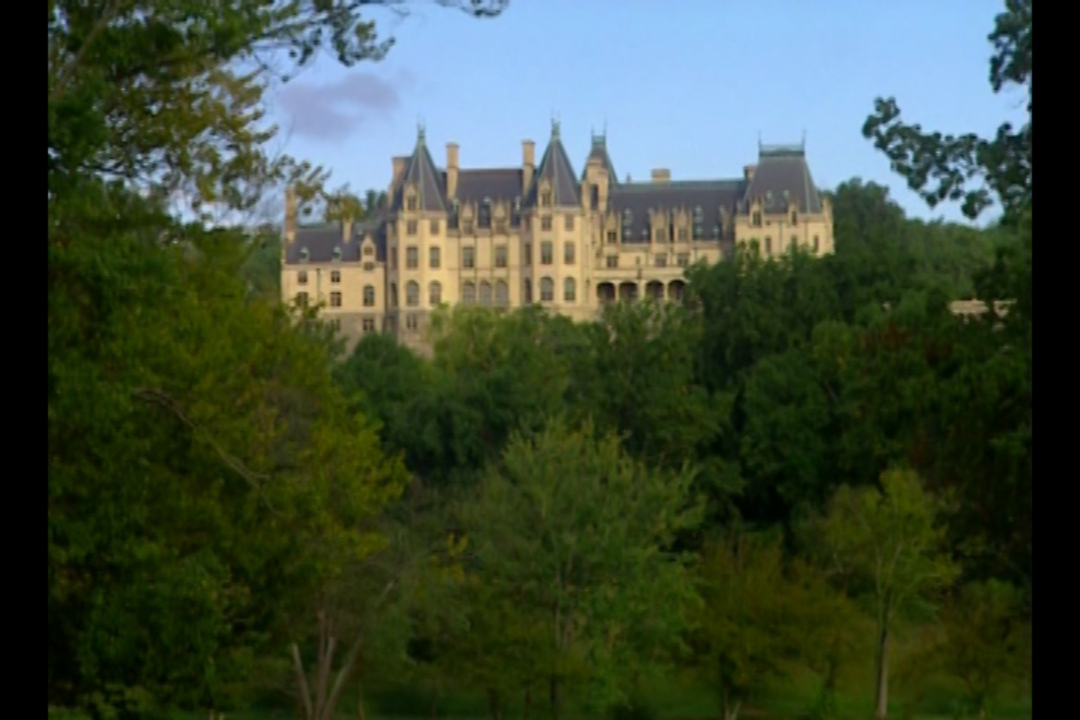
682,235
500,256
369,296
468,257
434,258
684,259
613,261
794,217
410,204
335,299
612,237
815,243
545,199
547,290
412,257
411,322
527,260
433,227
768,245
301,277
393,258
545,222
660,260
546,253
435,294
335,276
569,222
756,220
369,266
369,325
410,227
302,299
568,253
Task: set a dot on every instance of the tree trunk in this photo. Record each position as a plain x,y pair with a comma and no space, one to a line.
528,703
360,714
731,712
302,684
881,705
493,704
553,693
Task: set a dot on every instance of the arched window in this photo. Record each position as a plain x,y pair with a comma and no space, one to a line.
435,293
485,293
527,292
468,294
369,296
569,290
547,290
502,294
393,294
412,293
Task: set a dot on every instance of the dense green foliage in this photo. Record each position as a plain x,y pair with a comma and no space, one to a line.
773,480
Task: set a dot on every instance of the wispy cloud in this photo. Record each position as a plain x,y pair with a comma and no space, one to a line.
332,111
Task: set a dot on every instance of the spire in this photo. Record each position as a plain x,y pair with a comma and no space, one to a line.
422,173
556,169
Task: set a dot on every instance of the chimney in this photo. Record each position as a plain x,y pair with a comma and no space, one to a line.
400,163
528,163
346,229
451,169
291,214
661,175
748,172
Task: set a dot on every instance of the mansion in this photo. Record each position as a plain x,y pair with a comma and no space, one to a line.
540,233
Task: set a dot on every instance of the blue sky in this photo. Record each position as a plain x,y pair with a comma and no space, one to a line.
689,85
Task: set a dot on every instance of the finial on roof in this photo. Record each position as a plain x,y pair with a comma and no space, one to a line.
420,132
554,128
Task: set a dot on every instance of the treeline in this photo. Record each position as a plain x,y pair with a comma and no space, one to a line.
774,478
781,408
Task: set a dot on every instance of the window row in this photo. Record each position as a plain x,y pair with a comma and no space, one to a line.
500,257
335,275
768,247
682,260
413,226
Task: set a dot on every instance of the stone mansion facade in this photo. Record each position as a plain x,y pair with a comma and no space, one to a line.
540,233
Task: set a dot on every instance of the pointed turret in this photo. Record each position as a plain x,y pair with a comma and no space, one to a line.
599,152
555,175
424,178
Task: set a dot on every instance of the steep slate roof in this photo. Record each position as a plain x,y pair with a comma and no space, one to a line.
555,167
321,240
640,198
494,184
427,178
782,173
599,151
